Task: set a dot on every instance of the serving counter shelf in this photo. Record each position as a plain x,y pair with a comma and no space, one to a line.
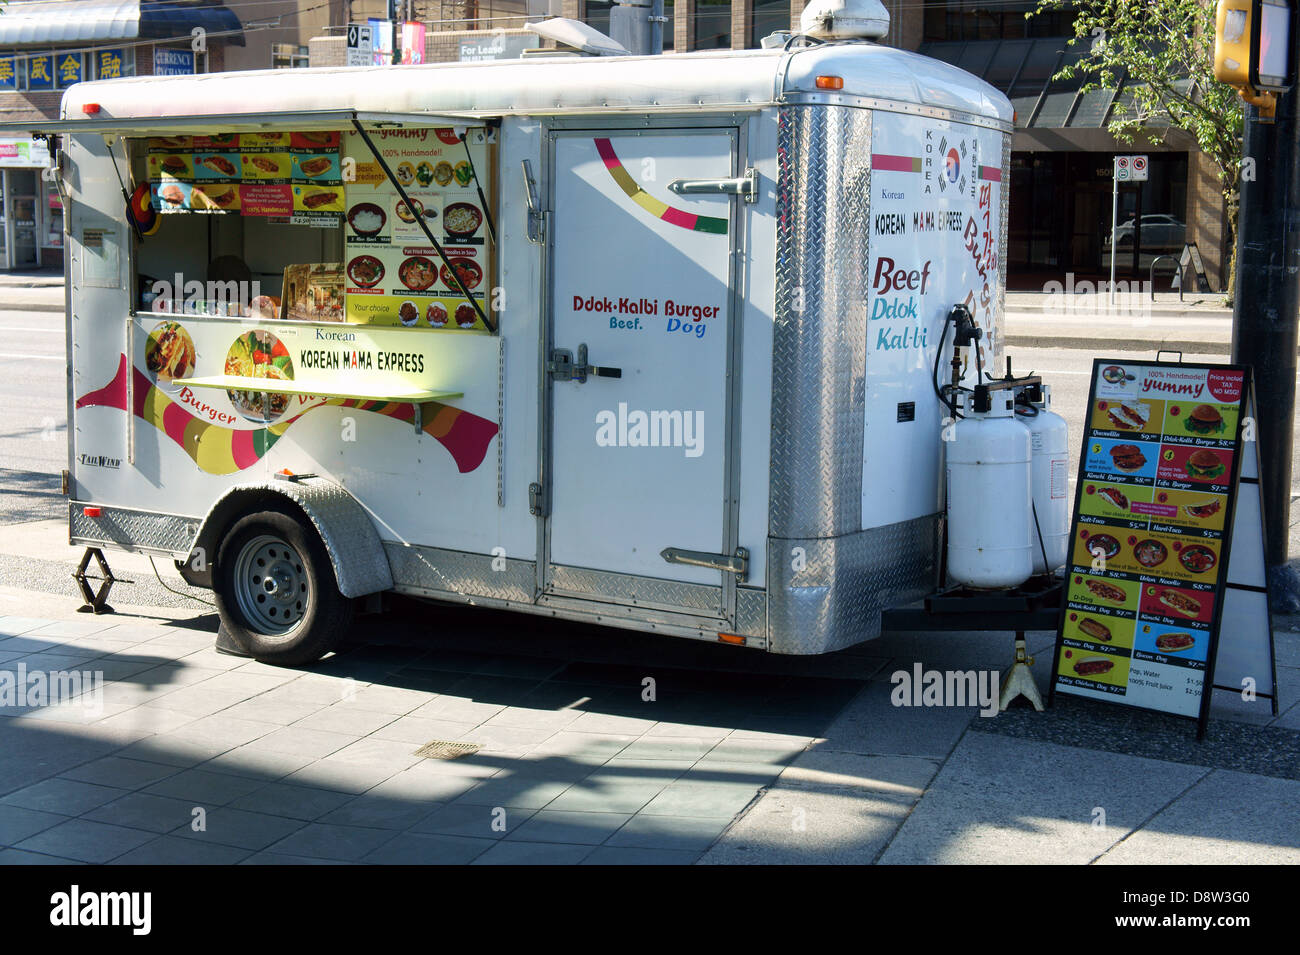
279,387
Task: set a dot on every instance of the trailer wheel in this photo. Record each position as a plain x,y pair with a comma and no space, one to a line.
276,591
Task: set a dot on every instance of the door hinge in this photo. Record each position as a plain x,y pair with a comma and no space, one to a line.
536,217
536,500
66,483
737,563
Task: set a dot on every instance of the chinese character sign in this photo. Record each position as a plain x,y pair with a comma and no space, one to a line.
70,68
40,73
110,64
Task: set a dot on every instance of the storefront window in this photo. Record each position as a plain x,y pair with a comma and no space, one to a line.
767,17
112,64
40,72
993,20
713,24
597,17
69,69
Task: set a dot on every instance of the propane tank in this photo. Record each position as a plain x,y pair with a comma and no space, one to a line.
990,538
1049,476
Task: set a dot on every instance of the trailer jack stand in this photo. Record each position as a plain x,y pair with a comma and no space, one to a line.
1020,680
95,602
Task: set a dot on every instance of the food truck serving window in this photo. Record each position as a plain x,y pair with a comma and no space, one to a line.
359,252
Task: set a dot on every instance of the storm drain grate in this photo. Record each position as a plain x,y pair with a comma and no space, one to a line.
447,749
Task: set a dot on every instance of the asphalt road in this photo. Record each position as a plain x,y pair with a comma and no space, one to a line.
33,414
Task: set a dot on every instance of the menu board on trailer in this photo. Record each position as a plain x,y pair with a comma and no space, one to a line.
254,174
1153,519
394,276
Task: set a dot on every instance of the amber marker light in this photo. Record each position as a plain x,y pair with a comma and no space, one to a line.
734,639
830,82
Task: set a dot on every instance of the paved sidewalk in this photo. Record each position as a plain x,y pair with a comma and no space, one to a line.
319,764
1134,322
742,757
1082,783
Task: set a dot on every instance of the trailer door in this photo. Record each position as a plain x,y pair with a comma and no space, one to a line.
640,367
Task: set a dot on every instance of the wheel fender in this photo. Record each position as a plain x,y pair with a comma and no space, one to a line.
356,553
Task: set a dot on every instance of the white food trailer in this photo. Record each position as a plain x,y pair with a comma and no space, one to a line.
671,369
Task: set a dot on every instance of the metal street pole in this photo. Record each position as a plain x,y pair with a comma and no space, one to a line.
1264,316
1114,216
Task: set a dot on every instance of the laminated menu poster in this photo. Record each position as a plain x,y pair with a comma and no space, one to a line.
1147,566
298,175
394,276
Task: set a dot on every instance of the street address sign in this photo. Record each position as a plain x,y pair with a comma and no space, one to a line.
1130,168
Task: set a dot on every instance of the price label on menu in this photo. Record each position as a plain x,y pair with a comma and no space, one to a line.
1153,512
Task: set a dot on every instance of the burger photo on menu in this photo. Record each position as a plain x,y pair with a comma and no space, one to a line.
1204,420
1127,457
1204,465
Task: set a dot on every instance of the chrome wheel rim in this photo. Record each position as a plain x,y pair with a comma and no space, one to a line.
271,585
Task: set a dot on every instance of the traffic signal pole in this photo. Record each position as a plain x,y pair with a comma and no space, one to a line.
1264,316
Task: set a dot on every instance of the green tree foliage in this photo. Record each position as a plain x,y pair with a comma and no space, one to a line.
1164,51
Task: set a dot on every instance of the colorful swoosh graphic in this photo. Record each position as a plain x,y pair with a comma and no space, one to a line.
220,450
660,210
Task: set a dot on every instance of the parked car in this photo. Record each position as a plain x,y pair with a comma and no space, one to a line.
1160,231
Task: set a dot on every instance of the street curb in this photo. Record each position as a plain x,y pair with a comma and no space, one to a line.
1119,344
35,307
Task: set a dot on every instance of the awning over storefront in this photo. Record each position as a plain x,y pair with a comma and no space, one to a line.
1023,70
60,22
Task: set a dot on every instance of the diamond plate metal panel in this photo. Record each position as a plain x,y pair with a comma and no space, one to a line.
461,573
751,612
836,599
349,535
819,342
138,530
635,591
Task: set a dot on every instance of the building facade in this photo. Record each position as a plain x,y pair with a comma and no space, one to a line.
1062,153
47,46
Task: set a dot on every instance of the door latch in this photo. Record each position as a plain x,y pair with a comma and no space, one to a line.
564,367
746,186
737,563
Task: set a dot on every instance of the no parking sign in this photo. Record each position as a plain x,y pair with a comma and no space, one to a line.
1130,168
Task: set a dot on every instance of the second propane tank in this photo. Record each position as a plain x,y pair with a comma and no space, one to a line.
1049,475
990,538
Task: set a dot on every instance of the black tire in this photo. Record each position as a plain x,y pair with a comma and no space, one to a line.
276,591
